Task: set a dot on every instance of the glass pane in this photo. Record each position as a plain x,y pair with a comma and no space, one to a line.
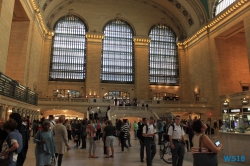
220,5
117,53
163,58
68,55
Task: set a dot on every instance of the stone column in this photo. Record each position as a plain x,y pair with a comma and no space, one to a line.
93,63
7,8
24,112
3,111
14,109
247,36
141,48
19,110
44,73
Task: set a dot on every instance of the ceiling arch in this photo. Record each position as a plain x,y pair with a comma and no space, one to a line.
184,17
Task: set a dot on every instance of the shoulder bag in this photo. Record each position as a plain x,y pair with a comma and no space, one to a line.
203,157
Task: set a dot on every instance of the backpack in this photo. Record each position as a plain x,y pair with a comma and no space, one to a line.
139,132
159,125
98,126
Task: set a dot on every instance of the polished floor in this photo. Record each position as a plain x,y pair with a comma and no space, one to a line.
79,157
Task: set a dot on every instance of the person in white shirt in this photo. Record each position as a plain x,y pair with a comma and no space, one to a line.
149,133
177,142
52,122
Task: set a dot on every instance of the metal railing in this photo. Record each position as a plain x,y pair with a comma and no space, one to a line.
11,88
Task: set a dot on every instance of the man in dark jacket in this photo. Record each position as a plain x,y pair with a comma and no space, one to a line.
25,135
141,138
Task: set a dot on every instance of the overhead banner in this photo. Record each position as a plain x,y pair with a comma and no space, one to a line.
233,110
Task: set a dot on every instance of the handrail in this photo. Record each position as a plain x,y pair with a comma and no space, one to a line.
11,88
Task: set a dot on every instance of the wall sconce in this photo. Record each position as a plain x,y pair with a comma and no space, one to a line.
226,103
10,111
244,101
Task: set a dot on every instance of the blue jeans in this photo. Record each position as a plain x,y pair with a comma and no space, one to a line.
135,133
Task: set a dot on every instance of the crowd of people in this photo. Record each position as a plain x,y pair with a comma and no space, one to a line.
52,138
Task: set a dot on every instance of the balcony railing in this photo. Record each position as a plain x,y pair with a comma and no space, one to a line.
11,88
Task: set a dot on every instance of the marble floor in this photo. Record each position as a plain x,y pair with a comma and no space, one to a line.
79,157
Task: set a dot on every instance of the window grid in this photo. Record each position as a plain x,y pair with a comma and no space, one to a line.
221,5
163,58
68,53
117,53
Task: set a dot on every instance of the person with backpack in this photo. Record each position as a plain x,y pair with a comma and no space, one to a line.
160,129
177,142
140,137
169,122
149,133
14,141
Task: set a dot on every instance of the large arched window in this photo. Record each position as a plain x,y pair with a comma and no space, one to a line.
117,53
163,58
220,5
68,51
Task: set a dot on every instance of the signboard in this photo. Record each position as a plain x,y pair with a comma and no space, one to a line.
233,110
246,110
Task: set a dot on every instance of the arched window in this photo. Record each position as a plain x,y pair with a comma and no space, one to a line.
220,5
163,58
68,51
117,53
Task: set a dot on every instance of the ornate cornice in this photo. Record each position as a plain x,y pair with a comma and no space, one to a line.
215,23
199,10
40,18
94,37
141,41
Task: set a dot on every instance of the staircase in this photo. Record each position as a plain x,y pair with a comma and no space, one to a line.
118,112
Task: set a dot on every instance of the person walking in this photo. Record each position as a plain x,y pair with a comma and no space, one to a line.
45,146
24,132
149,133
109,132
124,134
160,129
177,142
135,129
14,141
61,139
83,134
91,131
141,138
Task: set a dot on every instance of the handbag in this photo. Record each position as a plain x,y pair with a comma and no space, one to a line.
204,158
53,161
4,161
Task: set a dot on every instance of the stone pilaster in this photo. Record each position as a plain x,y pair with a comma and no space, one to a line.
141,48
93,63
3,111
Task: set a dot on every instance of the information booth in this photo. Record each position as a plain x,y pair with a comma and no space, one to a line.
232,119
246,118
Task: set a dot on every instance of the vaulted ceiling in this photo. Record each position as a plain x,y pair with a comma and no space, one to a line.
183,16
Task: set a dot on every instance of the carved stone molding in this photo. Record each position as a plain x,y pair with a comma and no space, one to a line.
199,10
94,37
141,41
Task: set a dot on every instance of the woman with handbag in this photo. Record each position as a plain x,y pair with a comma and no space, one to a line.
204,150
45,146
91,133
